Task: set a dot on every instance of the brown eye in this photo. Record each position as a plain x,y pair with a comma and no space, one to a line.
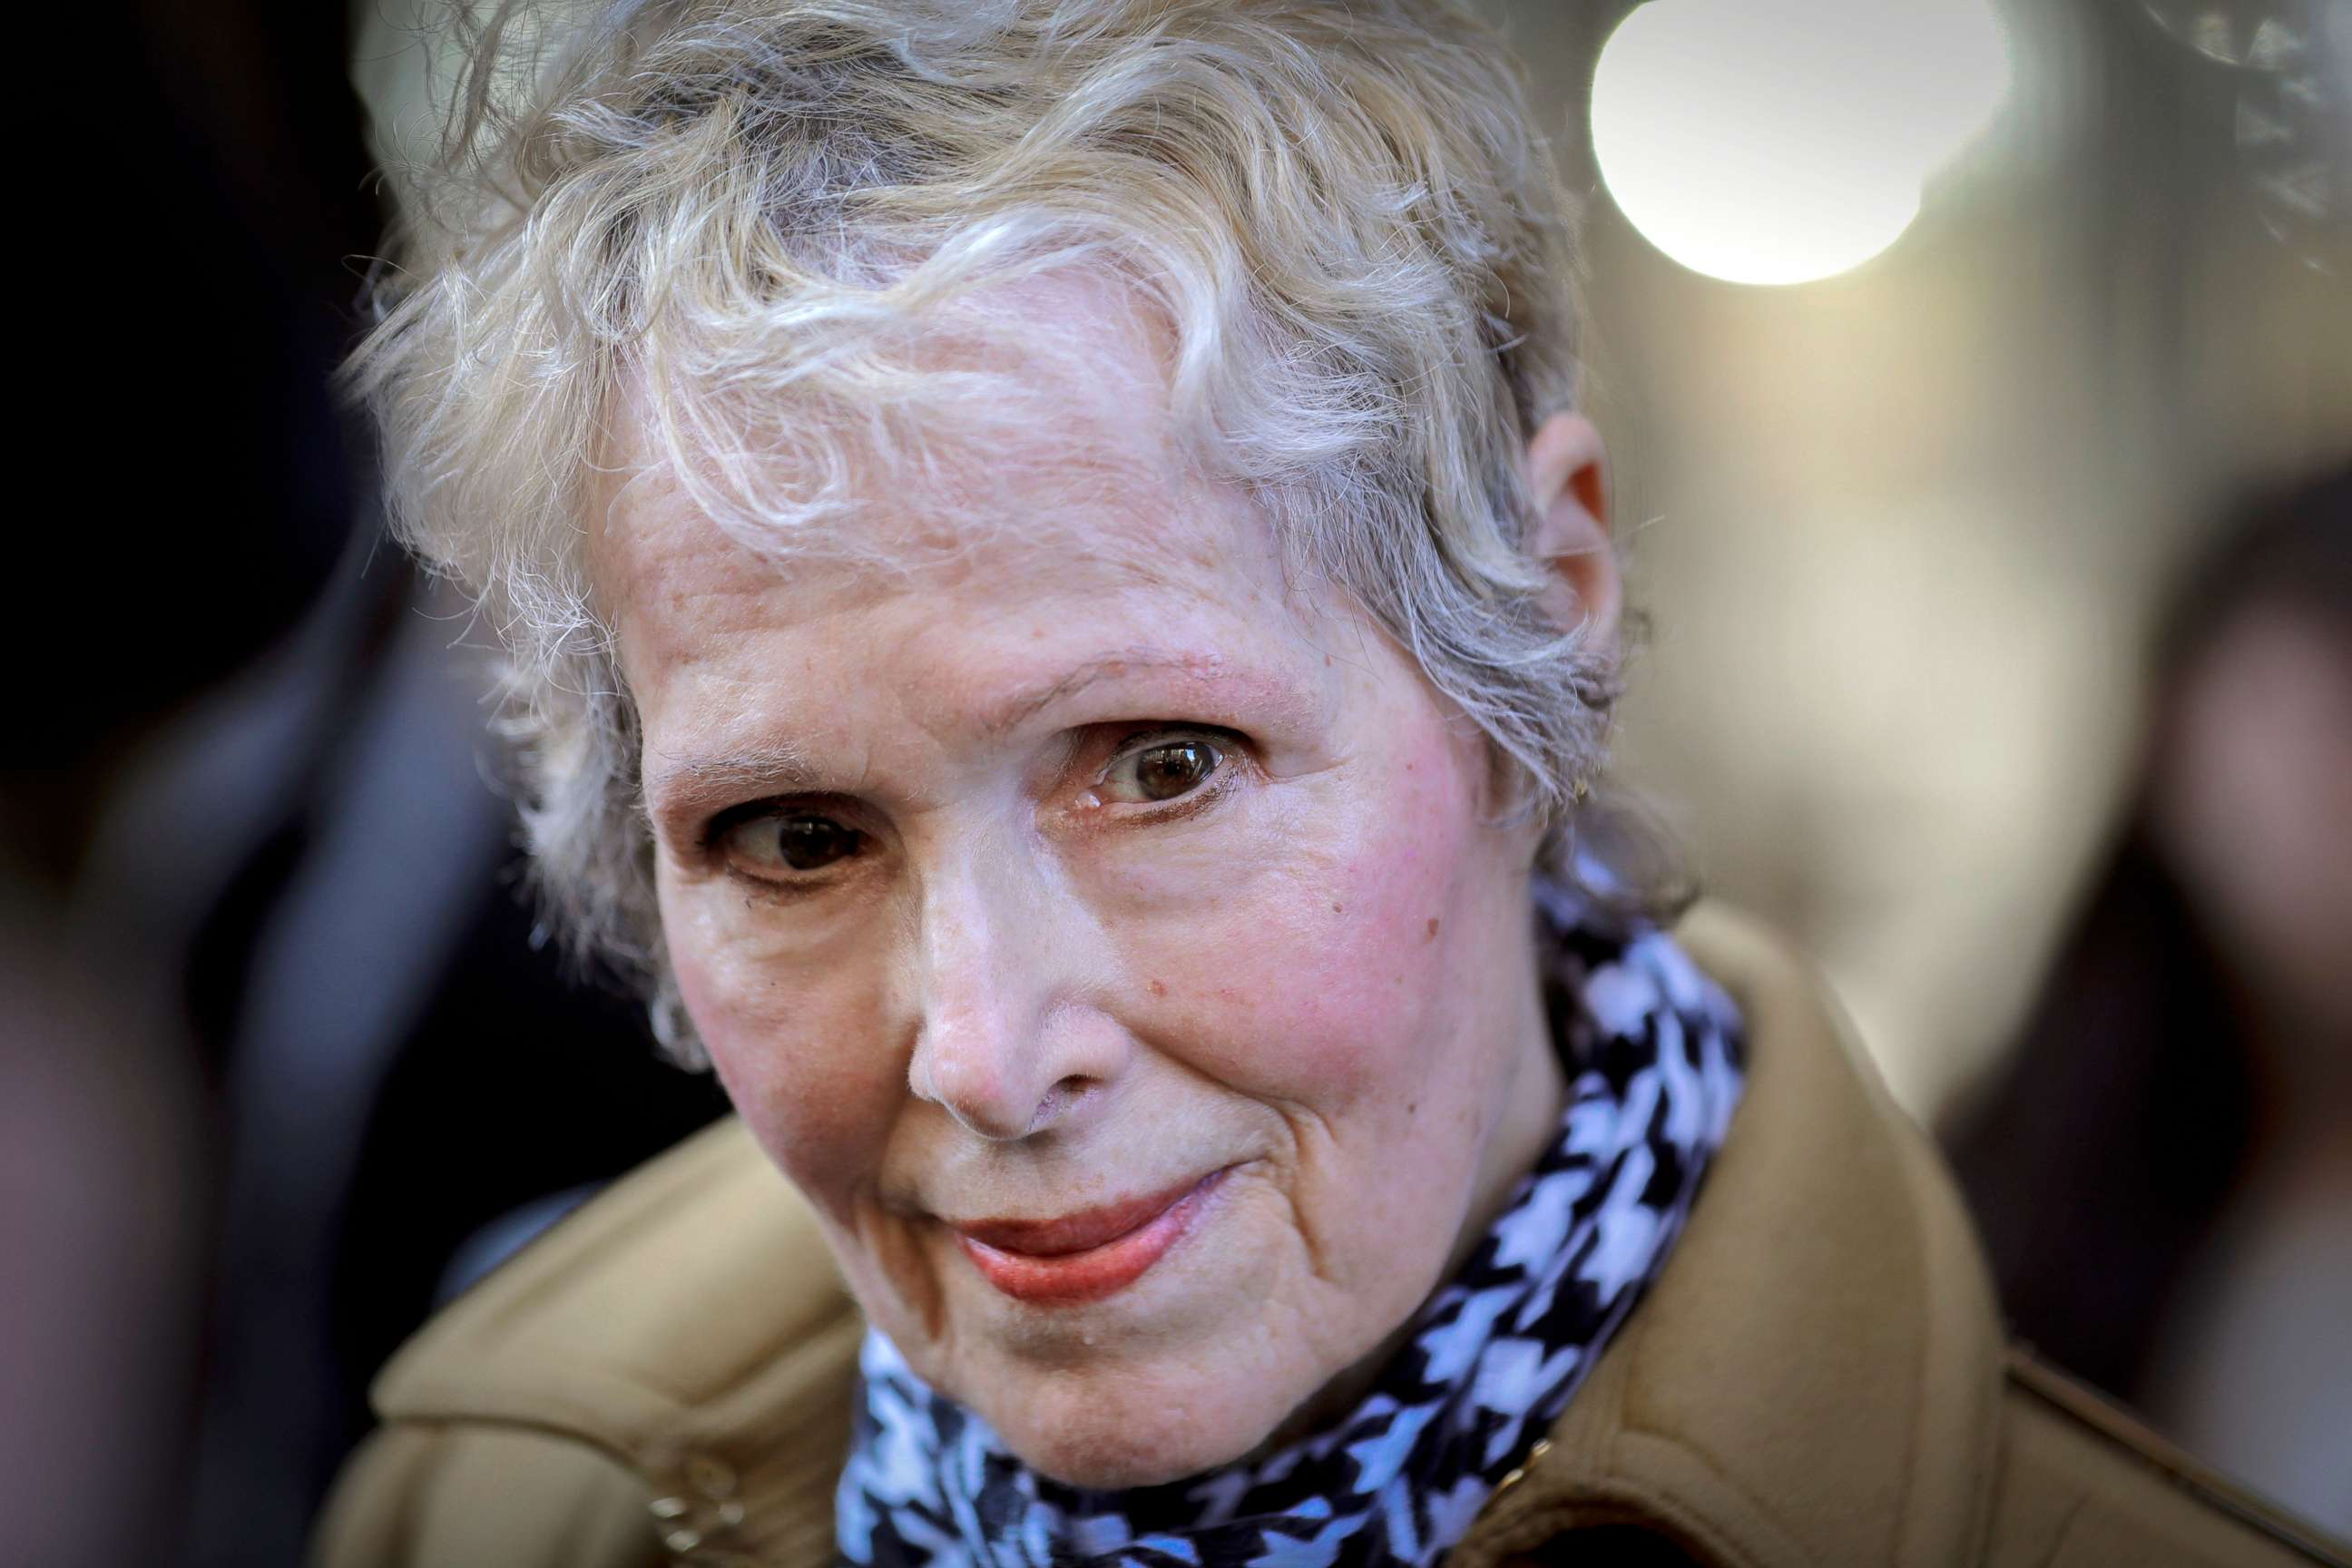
806,843
790,844
1165,770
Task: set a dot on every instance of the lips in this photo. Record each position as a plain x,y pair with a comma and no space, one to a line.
1088,1254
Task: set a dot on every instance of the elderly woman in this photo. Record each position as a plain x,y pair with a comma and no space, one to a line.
1061,622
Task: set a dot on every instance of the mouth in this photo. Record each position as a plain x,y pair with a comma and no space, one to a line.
1088,1254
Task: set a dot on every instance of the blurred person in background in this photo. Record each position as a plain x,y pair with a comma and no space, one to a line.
2163,1171
182,568
266,980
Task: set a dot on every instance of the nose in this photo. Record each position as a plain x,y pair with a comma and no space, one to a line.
1008,1039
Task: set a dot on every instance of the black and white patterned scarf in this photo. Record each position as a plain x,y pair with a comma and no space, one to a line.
1654,1051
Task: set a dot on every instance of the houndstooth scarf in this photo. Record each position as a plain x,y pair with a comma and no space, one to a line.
1654,1051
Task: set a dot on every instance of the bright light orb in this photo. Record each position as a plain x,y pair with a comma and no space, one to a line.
1782,141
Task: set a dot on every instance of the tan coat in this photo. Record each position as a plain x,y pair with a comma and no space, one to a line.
1817,1378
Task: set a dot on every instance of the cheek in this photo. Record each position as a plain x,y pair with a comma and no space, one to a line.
800,1056
1326,977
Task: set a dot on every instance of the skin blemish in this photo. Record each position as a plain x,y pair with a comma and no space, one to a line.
1159,988
1338,909
1432,935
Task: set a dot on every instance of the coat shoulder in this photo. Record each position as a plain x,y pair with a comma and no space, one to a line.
682,1284
669,1372
2082,1483
1819,1377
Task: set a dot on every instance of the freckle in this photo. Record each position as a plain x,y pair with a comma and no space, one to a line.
1159,988
1338,909
1412,1107
1432,930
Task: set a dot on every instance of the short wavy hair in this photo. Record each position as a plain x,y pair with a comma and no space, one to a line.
748,225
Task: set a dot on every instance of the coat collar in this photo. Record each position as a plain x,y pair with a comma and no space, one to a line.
1814,1377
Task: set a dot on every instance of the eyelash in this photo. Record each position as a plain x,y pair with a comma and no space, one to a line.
1232,750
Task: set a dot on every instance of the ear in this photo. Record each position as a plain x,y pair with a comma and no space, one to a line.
1568,476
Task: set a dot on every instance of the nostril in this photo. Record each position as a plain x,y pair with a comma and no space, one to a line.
1060,1100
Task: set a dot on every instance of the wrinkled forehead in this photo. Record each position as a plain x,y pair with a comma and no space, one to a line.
655,541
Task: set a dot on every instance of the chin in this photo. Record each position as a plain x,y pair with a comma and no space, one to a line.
1110,1430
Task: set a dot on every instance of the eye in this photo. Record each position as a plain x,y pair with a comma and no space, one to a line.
779,844
1165,767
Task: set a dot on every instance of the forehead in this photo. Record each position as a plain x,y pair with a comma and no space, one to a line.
666,570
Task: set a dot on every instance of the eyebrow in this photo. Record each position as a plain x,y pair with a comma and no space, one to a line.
683,782
1024,706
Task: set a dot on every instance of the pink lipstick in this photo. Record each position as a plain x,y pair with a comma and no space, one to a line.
1087,1255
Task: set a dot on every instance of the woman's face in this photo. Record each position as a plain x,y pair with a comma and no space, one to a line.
1112,944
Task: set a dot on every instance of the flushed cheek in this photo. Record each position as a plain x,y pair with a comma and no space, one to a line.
1319,975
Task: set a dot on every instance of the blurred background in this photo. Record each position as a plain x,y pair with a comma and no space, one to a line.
1979,374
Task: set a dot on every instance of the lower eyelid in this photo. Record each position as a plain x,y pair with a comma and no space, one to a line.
791,884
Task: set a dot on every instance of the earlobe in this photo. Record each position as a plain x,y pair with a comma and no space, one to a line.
1568,480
